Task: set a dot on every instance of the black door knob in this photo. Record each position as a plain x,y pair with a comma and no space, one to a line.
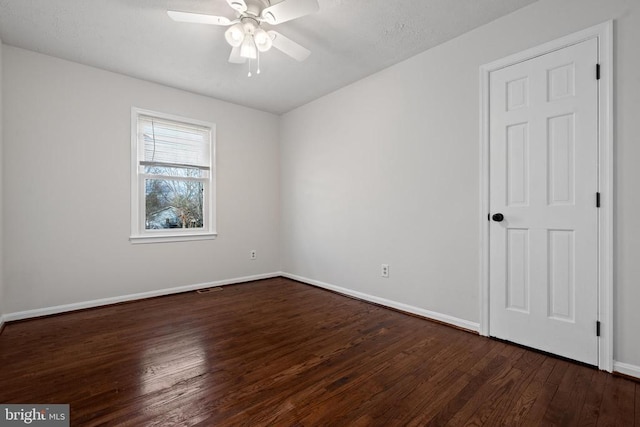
497,217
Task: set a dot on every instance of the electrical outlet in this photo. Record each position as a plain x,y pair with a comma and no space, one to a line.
384,271
253,254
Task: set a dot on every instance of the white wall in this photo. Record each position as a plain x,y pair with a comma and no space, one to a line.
67,195
386,170
1,191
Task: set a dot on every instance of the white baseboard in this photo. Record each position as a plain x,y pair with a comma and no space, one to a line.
626,369
28,314
444,318
1,322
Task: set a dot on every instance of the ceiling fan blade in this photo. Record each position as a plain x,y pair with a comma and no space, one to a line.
288,10
235,57
288,46
238,5
198,18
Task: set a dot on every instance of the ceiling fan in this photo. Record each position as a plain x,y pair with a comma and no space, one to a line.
246,34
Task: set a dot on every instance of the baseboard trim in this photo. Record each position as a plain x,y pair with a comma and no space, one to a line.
1,323
47,311
626,369
439,317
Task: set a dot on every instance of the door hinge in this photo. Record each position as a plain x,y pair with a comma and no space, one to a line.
598,328
597,71
598,199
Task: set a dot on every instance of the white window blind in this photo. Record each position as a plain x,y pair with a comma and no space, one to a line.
170,143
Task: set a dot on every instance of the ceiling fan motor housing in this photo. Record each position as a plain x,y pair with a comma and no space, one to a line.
249,24
255,7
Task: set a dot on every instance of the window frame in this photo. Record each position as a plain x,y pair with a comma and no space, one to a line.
139,234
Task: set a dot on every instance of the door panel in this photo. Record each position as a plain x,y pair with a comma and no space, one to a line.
543,179
518,270
561,278
518,165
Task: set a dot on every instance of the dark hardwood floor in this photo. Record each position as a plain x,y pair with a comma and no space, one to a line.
277,352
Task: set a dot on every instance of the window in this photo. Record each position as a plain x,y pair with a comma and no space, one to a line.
172,178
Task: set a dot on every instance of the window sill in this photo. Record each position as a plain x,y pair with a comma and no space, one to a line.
172,238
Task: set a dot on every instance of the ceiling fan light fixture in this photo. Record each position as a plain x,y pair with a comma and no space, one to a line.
262,40
235,35
248,48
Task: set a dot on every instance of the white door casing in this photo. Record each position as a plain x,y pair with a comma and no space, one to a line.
546,152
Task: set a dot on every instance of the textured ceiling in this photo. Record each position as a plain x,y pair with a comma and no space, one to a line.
349,39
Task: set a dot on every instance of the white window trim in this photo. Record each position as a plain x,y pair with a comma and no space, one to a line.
138,232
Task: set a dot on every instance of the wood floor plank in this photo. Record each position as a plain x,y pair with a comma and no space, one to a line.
637,410
591,409
527,367
443,385
547,393
438,396
618,406
525,400
277,352
490,396
569,397
626,402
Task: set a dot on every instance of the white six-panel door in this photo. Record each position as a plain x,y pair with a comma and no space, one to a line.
543,157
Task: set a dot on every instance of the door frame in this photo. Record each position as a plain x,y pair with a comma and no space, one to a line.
604,34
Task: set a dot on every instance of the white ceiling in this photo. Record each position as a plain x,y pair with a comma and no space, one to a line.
349,39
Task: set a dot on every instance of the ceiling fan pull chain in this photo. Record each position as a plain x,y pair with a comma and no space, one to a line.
249,74
258,70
